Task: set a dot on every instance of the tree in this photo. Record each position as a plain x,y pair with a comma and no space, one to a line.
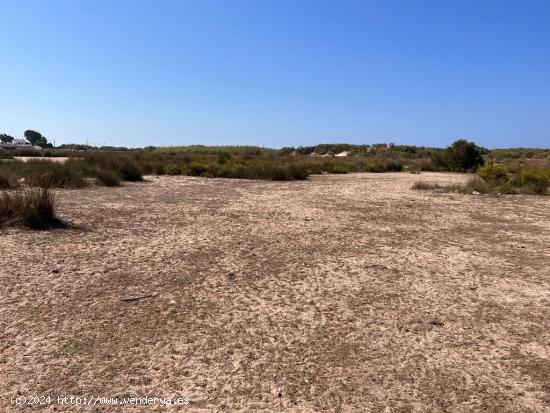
36,138
6,138
463,156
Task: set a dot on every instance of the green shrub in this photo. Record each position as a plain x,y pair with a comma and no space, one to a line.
197,169
171,169
298,172
506,188
276,173
158,169
383,166
31,208
464,156
130,171
147,168
532,181
338,168
224,157
461,156
494,173
427,165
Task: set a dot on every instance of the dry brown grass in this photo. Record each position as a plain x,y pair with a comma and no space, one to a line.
30,208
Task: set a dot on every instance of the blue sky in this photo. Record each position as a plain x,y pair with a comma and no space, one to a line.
277,73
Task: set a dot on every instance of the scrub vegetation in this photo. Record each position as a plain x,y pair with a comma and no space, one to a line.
499,179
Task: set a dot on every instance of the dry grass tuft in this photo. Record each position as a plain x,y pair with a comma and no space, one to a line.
431,186
5,183
34,208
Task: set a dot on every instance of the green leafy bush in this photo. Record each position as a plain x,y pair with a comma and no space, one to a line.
532,181
171,169
494,173
506,188
197,169
461,156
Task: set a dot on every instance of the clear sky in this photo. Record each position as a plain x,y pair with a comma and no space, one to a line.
277,73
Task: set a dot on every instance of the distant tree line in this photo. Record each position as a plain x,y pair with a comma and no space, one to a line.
459,156
82,147
4,137
35,139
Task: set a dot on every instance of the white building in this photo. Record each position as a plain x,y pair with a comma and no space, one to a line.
21,142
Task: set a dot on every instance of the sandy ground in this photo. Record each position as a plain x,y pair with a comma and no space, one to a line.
348,293
57,159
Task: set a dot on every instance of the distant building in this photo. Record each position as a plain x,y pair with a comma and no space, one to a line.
21,142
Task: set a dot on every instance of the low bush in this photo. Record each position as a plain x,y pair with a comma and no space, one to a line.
383,166
425,186
171,169
532,181
494,173
130,171
298,172
34,208
506,188
524,180
476,184
107,178
28,152
197,169
338,168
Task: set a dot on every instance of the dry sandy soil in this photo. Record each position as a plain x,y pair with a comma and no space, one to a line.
58,159
349,293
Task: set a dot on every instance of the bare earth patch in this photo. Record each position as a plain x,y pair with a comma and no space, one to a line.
348,293
58,159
